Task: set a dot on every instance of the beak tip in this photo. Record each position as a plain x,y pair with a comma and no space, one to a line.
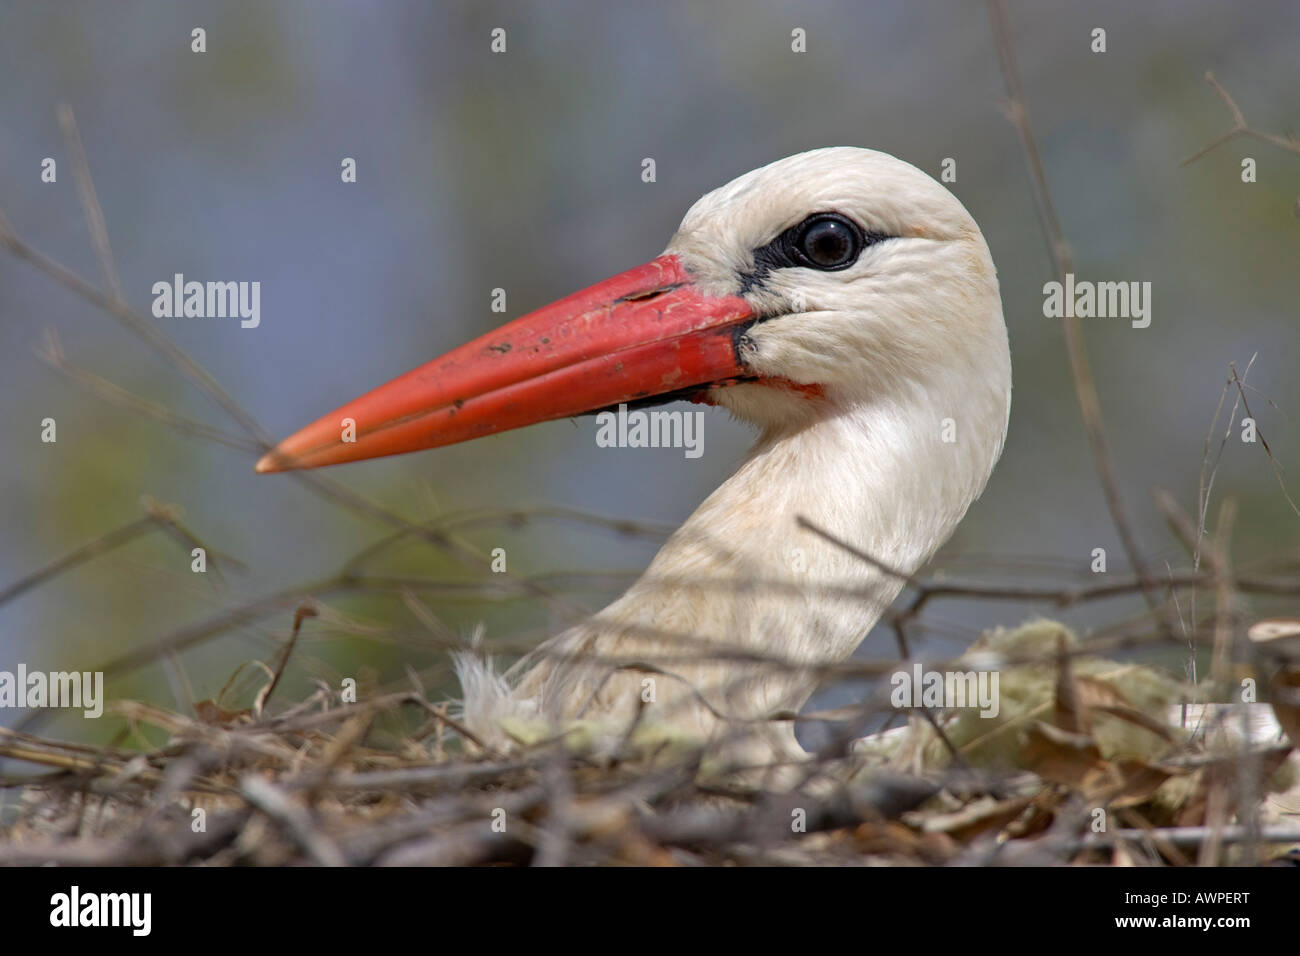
267,464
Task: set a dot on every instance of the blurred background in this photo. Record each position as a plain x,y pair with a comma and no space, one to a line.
522,170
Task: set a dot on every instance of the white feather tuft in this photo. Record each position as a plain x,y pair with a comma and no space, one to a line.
488,704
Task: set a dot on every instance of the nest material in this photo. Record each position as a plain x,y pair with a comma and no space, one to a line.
1078,740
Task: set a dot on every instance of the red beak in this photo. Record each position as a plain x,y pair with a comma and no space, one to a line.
646,333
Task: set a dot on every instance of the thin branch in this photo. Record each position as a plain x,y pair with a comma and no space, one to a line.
1277,468
1240,127
303,611
1085,386
94,213
78,556
51,353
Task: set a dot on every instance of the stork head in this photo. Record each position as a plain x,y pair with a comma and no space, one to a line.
826,280
869,282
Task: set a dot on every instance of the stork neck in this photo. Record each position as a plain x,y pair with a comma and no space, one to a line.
881,478
740,574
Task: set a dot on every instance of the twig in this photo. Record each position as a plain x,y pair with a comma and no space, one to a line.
1240,127
1191,836
303,611
90,202
51,353
1277,468
295,820
91,549
1085,387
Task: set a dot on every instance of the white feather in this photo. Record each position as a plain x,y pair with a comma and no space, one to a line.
906,342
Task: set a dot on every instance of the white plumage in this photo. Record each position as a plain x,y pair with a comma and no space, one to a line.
900,351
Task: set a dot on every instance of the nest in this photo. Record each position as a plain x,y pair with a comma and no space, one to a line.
1076,768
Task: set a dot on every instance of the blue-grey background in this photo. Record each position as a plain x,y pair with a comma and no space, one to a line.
522,170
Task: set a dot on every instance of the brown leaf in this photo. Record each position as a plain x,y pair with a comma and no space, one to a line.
1039,816
1062,757
1224,773
1284,696
1136,780
1278,640
893,839
211,713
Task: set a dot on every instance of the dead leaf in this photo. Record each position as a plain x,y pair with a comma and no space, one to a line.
210,712
1284,696
891,838
1137,782
1279,640
1223,773
1062,757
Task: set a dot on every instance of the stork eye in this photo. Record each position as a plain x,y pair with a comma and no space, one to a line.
828,242
825,240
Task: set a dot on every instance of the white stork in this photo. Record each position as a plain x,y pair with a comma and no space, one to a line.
842,302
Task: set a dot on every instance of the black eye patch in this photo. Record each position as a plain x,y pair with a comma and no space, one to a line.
825,241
